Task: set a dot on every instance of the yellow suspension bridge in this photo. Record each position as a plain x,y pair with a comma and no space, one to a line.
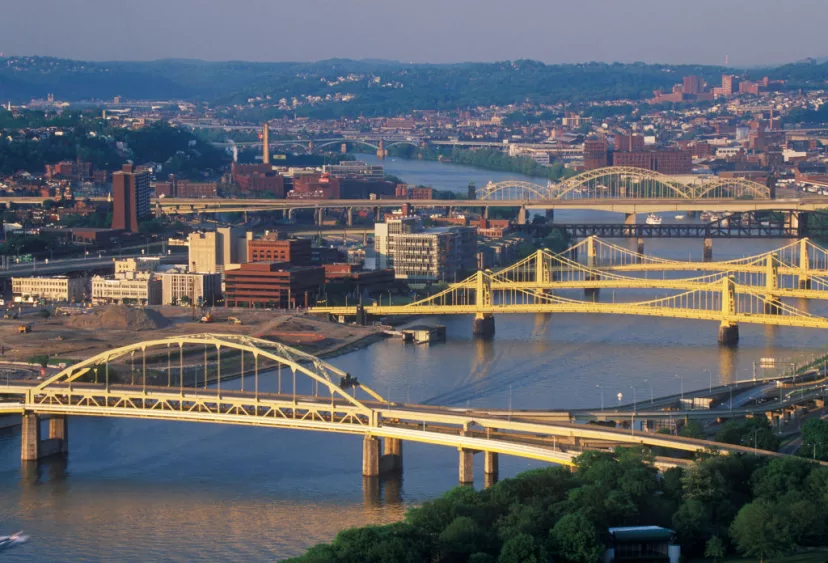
747,290
310,394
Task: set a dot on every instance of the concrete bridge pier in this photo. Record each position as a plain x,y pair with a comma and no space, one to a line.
629,218
391,460
804,282
33,448
728,333
290,214
371,456
707,252
319,216
640,247
350,214
483,325
466,466
490,468
523,216
343,148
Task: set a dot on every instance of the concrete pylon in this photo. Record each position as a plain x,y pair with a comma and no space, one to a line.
466,467
371,456
391,461
707,252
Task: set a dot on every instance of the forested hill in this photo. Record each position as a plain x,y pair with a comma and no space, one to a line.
346,87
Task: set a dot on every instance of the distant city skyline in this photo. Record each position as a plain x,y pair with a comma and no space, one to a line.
747,32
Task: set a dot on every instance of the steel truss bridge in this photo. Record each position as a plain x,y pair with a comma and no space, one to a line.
623,182
747,290
310,395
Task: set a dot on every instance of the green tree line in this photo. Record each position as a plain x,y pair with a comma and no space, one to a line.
717,506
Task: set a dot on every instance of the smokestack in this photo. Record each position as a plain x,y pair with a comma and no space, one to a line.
266,142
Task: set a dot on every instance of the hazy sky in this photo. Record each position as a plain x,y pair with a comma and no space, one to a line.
751,32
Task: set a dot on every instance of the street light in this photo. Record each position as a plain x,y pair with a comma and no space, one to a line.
681,379
709,380
650,383
602,397
635,398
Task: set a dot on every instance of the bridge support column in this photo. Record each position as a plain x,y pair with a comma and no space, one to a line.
773,305
391,460
523,216
377,215
640,247
32,447
343,148
466,466
728,333
629,218
707,253
350,214
486,212
290,214
59,431
319,216
361,316
804,281
491,468
370,457
30,438
483,325
550,215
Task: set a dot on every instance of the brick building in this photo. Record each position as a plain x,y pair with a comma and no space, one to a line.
272,249
272,284
130,198
664,161
595,153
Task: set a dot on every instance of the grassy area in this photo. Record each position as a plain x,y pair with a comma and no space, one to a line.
804,557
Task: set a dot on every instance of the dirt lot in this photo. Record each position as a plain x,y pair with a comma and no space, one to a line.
81,335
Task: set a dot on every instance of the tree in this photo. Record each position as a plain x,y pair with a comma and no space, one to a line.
760,531
522,548
814,439
714,548
692,430
576,539
461,538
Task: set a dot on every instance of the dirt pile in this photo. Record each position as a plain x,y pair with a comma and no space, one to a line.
120,317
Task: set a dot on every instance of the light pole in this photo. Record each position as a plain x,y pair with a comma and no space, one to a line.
710,380
755,437
602,397
681,379
635,399
510,402
650,383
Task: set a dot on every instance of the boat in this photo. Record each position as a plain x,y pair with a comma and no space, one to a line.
705,216
714,217
18,538
653,219
679,216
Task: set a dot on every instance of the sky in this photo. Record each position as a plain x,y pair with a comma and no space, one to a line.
749,32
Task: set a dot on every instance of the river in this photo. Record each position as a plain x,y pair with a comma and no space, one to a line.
134,490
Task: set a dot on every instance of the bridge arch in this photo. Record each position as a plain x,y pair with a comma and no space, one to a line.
297,361
621,182
345,142
513,190
735,188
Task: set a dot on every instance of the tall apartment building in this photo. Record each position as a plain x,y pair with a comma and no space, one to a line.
442,253
55,288
180,288
130,198
211,252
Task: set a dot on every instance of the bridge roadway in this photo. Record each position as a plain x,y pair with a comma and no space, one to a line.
626,206
493,432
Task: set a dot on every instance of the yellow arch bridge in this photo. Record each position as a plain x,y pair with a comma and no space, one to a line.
303,393
747,290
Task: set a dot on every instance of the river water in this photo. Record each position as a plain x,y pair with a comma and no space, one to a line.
135,490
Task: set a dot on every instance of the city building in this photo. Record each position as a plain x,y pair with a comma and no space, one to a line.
130,198
382,232
142,264
355,169
313,186
272,284
212,252
180,288
595,153
54,288
441,253
270,248
140,288
258,178
664,161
